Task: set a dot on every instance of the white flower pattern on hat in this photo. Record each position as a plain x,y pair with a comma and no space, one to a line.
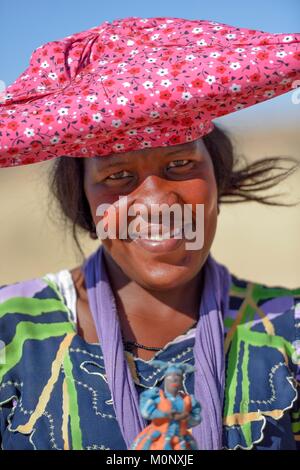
172,75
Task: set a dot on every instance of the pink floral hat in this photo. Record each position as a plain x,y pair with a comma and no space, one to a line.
136,83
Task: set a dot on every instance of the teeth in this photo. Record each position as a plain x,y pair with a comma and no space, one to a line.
157,237
165,236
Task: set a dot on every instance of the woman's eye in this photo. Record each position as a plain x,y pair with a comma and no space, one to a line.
120,175
178,163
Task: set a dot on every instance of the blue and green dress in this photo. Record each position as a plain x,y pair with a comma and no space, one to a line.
53,386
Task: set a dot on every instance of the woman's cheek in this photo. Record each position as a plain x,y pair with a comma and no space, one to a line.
110,217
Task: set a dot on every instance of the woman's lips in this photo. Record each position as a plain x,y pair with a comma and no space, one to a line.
159,246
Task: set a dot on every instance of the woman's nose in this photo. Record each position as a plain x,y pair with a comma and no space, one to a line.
155,191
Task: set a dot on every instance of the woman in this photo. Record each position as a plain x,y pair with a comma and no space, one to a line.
79,343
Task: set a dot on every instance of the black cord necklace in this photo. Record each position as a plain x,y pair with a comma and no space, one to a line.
132,344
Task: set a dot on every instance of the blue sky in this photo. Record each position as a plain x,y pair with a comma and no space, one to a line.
26,25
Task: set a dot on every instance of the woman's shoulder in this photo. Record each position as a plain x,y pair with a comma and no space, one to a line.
240,287
35,304
262,307
261,334
263,318
35,326
47,286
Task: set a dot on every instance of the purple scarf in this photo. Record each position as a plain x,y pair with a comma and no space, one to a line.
209,377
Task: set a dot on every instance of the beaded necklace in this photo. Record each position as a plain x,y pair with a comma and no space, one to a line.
131,344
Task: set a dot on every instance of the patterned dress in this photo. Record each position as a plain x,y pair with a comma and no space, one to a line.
53,386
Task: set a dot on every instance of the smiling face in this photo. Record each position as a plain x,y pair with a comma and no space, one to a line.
181,174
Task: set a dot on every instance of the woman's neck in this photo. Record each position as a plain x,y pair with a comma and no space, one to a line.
147,317
141,304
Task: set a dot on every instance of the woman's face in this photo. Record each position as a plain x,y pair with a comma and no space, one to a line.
181,175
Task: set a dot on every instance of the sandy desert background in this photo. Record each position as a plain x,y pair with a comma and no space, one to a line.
255,242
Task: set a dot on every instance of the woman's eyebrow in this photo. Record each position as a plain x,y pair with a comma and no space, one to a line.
175,152
184,148
103,163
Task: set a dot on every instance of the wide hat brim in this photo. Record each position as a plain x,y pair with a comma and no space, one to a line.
138,83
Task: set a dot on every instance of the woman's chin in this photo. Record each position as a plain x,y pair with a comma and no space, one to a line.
163,277
163,270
